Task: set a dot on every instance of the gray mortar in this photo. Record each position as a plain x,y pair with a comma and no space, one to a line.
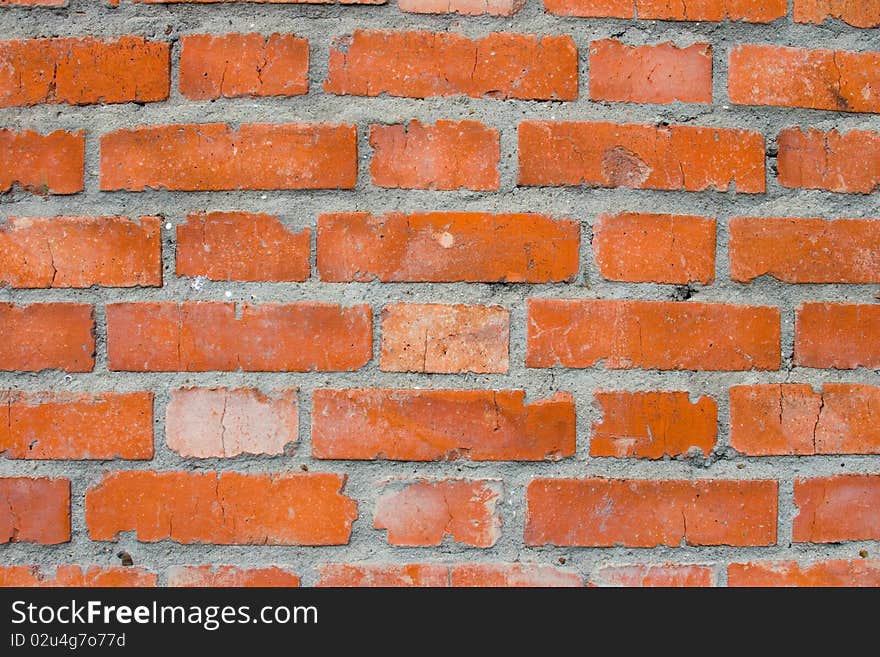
299,209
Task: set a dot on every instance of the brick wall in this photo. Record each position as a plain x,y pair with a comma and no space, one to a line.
581,292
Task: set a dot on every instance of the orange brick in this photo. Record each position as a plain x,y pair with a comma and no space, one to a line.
858,13
647,513
42,164
34,510
239,246
780,419
662,575
651,425
677,157
464,7
433,425
83,71
658,248
221,507
68,576
805,250
447,155
813,159
237,65
836,80
220,422
664,335
512,575
839,335
43,252
838,572
385,575
426,337
749,11
216,576
216,336
837,509
216,157
447,247
45,336
424,513
56,425
662,73
425,64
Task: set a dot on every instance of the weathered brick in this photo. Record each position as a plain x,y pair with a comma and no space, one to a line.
661,73
43,336
34,510
663,335
652,425
447,247
445,156
512,575
444,339
837,335
433,425
676,157
216,157
43,252
424,64
76,576
838,572
43,164
221,508
749,11
837,509
814,159
658,248
386,575
647,513
654,575
464,7
858,13
788,418
240,246
216,336
424,513
214,576
57,425
220,422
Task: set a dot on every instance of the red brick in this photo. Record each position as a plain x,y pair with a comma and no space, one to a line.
443,247
647,513
214,576
386,575
839,572
237,65
274,2
424,513
798,250
814,159
216,336
464,7
512,575
651,425
858,13
34,510
836,80
42,164
43,252
750,11
239,246
216,157
662,575
658,248
225,508
33,3
425,64
433,425
447,155
839,335
661,73
781,419
836,509
663,335
444,339
67,576
677,157
43,336
83,71
219,422
57,425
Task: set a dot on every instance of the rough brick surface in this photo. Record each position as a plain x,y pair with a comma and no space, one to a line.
211,576
79,576
41,336
839,572
838,335
42,163
660,575
835,509
858,13
847,162
752,11
34,510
